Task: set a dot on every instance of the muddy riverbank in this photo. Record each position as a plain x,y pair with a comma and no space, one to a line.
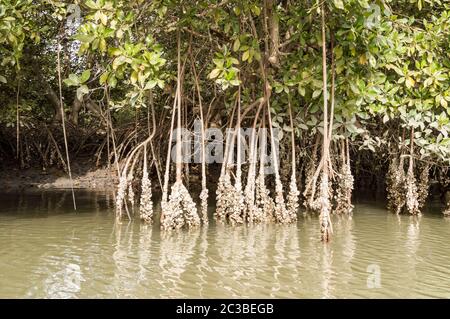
84,177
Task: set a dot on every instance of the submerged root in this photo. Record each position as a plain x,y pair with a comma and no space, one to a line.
224,197
180,210
281,214
204,205
309,178
412,203
344,190
292,200
249,196
121,193
396,192
264,203
423,185
146,203
325,207
236,206
131,195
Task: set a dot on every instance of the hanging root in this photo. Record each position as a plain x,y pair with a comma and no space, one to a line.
344,189
325,206
310,201
237,204
249,192
292,199
204,205
121,193
225,196
180,210
396,192
412,202
264,203
146,203
220,198
282,215
131,192
423,185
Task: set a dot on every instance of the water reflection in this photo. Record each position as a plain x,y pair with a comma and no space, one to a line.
48,250
176,251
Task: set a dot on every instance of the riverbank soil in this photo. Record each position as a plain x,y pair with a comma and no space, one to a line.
85,175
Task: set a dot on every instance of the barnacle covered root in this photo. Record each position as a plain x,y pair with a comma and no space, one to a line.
224,197
131,194
204,205
121,193
180,210
249,195
412,202
309,201
265,205
236,206
325,208
344,190
423,185
282,216
396,192
146,203
292,200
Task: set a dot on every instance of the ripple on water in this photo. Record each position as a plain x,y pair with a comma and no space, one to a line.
56,253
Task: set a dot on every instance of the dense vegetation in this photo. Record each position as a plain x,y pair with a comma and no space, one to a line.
360,89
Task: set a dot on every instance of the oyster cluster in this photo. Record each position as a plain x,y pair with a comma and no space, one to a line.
146,203
180,210
344,189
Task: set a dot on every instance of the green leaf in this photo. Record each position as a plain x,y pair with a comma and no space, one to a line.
236,44
150,85
85,76
234,61
72,80
118,61
85,38
301,90
91,4
81,91
2,79
115,51
112,81
256,10
102,45
102,17
134,77
338,52
235,82
316,94
214,73
303,126
339,4
246,55
104,77
161,84
410,82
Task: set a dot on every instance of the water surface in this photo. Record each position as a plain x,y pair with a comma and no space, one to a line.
49,251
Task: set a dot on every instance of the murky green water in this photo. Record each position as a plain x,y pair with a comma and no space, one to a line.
49,251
